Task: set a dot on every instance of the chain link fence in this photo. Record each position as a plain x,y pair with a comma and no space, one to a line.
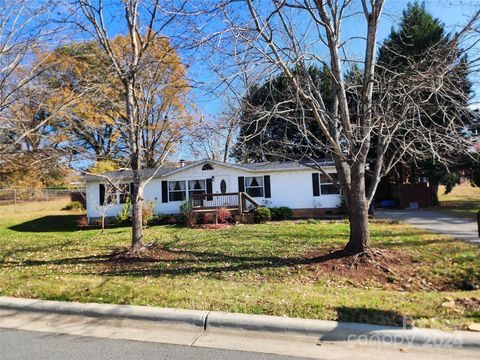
18,196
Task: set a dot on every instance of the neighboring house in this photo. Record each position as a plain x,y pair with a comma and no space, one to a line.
297,186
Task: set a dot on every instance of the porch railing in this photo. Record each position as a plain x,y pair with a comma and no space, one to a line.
241,202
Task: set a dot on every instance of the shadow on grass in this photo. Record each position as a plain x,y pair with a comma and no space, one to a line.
180,262
50,223
369,316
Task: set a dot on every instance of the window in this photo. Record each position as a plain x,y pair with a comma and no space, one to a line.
118,194
327,187
110,194
254,186
196,187
207,167
223,186
124,193
176,191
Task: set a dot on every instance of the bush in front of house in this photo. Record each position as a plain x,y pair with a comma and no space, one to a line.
262,214
208,218
219,216
125,215
280,213
223,215
166,219
147,211
74,205
189,217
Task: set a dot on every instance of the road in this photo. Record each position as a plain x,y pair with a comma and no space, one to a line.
435,221
21,345
38,336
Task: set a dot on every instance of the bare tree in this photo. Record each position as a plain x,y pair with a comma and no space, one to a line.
26,28
213,139
374,113
144,23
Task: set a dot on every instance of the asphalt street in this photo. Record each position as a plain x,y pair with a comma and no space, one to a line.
26,345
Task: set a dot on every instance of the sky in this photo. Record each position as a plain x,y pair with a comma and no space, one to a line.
453,13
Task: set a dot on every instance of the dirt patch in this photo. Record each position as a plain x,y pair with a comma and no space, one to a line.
123,261
151,253
392,269
389,267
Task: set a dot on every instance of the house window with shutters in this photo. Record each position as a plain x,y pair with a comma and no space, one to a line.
254,186
124,193
177,191
327,186
197,187
119,194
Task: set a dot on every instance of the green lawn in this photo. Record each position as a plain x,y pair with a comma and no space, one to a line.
278,269
463,200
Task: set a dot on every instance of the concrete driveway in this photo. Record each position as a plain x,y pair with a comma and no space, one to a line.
436,222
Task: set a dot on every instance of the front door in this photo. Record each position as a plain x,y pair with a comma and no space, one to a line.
222,184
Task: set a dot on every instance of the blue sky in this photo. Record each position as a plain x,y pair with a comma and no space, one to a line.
453,13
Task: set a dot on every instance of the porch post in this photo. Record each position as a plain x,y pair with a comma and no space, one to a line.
240,203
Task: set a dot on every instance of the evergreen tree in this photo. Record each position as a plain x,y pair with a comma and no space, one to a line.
418,34
269,121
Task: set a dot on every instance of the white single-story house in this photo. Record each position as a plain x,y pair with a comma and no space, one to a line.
273,184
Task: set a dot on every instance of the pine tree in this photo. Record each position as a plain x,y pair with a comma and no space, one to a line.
418,33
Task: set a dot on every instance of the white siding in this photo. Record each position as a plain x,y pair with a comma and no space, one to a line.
292,188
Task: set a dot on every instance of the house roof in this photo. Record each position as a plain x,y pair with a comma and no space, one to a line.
122,174
252,167
284,165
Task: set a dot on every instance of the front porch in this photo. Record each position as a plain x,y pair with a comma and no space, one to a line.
239,203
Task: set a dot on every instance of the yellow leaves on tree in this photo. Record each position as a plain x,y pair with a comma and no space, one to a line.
87,94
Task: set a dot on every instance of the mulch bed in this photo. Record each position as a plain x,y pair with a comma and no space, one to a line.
391,268
151,253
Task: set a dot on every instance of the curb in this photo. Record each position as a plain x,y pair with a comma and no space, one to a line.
343,331
172,316
212,320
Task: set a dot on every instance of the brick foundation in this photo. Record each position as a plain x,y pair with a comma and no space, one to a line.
315,213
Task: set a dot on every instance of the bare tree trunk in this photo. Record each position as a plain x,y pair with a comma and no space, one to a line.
135,62
358,212
136,163
137,220
227,143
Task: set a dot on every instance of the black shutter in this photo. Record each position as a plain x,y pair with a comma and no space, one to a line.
132,191
164,191
101,188
241,184
266,184
316,184
209,189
